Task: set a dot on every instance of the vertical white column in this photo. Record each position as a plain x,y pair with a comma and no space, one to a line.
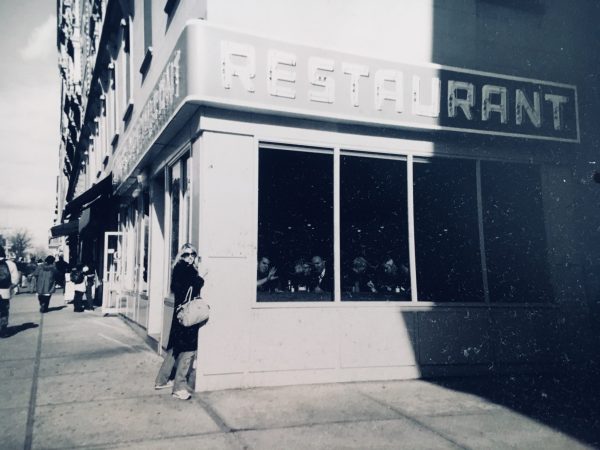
411,229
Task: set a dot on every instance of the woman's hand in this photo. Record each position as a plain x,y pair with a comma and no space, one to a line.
272,273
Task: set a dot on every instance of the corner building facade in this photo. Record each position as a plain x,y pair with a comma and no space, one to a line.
437,158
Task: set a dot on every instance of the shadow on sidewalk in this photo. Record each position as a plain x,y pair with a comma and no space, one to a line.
14,329
56,308
566,402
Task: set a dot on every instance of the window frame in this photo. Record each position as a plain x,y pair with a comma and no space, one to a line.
411,156
183,159
325,150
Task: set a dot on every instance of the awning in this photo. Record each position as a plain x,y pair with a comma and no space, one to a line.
103,187
97,216
85,219
65,229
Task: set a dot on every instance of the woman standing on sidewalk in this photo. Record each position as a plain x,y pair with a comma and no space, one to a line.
183,341
45,276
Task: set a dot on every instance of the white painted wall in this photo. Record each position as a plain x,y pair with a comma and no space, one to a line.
226,242
378,29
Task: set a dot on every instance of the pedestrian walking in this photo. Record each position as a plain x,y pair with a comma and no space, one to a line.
78,280
89,276
183,341
45,282
9,278
63,267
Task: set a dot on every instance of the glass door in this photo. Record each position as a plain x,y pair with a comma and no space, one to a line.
112,282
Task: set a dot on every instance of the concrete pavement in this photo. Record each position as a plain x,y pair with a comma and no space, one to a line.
86,381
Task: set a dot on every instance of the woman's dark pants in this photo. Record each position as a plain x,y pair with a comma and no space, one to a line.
44,302
78,302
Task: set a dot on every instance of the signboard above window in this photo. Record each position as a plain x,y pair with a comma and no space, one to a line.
250,72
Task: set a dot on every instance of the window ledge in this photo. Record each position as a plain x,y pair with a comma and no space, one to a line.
146,62
404,305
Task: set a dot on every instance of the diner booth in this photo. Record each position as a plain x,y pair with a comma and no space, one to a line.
436,199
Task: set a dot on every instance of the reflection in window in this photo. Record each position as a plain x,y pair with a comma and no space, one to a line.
295,225
515,237
179,191
145,235
373,229
175,192
447,247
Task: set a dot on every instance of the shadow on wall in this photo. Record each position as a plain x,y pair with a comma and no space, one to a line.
508,37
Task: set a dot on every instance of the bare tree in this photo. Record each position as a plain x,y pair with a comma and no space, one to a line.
20,242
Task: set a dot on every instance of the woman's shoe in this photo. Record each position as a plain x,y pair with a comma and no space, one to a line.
168,384
182,395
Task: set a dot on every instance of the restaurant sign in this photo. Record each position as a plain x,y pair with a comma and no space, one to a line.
270,76
219,67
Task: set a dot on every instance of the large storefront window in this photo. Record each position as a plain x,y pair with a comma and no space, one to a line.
144,226
447,246
515,236
374,228
478,229
295,225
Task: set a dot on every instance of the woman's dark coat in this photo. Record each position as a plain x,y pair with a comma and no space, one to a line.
184,339
45,279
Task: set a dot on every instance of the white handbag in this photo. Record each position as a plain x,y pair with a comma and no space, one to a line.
193,310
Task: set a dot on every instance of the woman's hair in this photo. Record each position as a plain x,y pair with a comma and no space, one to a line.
49,259
360,263
185,248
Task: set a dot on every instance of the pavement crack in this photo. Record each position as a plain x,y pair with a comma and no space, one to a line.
34,388
414,421
214,415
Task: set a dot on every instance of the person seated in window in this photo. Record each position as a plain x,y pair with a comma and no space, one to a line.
266,276
360,276
393,279
300,276
321,278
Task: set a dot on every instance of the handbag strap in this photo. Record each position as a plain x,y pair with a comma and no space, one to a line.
188,297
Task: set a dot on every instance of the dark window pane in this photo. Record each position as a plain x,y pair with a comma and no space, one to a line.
175,192
446,231
374,229
515,236
295,225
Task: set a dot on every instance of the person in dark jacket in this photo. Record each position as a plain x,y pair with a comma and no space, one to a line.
63,267
183,341
90,276
78,279
360,277
45,276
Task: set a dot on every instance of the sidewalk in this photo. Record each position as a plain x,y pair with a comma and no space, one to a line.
86,381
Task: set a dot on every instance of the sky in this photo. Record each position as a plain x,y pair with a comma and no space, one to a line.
29,117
